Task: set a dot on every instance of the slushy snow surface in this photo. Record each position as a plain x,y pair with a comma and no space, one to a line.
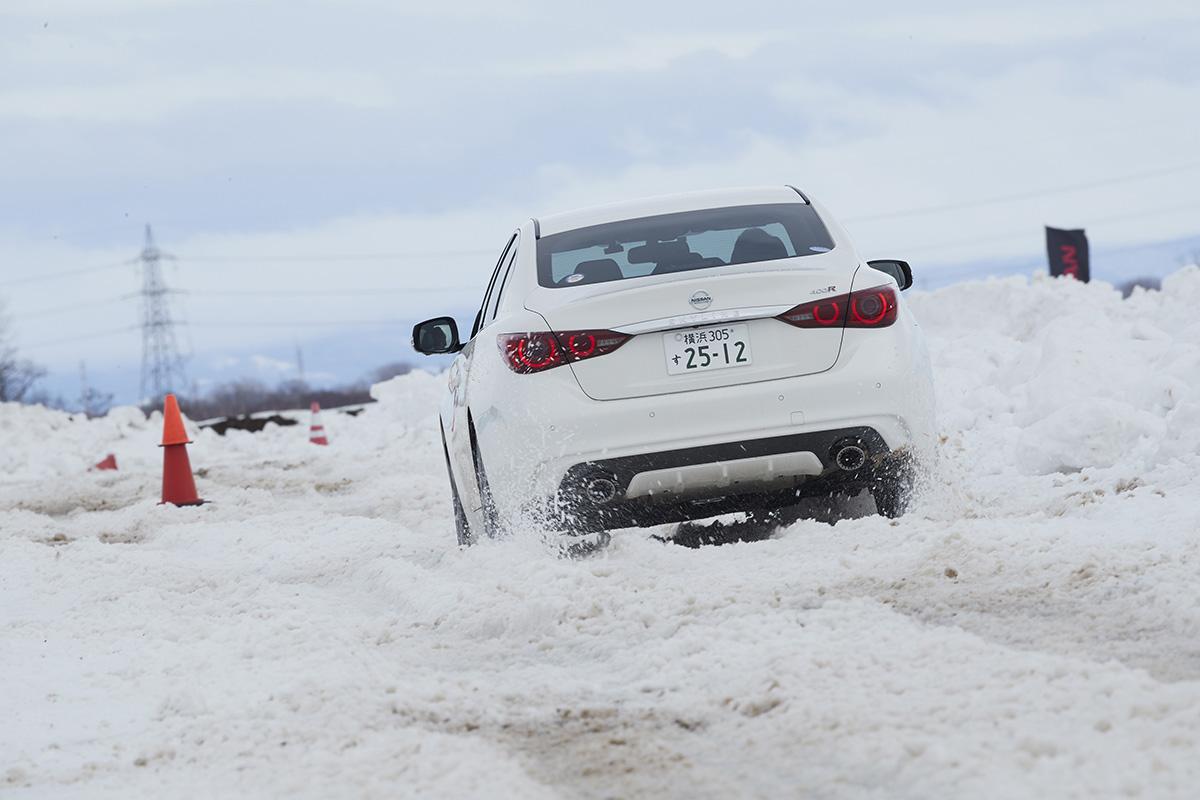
1030,629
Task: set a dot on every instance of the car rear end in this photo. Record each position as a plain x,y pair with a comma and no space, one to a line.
731,376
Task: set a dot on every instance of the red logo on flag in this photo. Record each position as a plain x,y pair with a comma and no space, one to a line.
1070,260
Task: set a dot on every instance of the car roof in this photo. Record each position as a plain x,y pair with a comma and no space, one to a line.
666,204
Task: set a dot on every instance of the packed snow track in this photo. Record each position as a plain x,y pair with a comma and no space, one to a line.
1030,629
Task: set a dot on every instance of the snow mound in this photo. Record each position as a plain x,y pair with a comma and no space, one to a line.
1062,376
40,443
413,396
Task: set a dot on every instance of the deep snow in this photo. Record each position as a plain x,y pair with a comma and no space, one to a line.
1030,629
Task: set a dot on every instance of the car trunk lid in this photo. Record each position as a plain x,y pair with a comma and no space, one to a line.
668,317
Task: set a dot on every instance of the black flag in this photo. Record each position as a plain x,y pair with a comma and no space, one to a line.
1068,251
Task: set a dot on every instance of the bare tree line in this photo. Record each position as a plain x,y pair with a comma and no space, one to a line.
19,379
250,396
18,376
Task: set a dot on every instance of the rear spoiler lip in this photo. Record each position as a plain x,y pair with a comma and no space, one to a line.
803,196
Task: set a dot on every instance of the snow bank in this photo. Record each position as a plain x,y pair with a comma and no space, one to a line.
1028,630
78,443
1064,376
39,443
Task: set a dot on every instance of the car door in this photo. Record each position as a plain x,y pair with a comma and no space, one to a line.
458,433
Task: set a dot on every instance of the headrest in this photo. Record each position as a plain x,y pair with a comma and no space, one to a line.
597,271
755,244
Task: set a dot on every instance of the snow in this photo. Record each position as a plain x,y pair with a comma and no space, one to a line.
1030,629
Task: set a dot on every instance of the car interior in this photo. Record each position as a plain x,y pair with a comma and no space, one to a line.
675,255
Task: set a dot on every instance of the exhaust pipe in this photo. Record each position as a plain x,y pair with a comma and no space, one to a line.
600,489
849,456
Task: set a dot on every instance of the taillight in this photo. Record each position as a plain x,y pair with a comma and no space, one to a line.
872,308
542,350
866,308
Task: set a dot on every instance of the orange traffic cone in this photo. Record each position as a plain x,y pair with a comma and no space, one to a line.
178,486
316,431
109,462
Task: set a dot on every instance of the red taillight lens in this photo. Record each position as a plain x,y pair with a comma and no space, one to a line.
872,308
866,308
581,345
541,350
535,352
829,312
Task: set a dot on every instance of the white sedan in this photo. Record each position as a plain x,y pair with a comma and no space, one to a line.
680,357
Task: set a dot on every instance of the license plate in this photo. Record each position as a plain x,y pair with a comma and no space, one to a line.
703,349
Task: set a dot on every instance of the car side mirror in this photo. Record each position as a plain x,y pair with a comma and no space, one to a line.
900,270
435,336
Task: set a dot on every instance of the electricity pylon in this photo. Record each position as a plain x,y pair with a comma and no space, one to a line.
162,366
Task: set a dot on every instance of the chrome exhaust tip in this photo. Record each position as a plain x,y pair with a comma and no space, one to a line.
600,489
849,457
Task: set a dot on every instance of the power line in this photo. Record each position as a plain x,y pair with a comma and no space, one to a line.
322,292
280,259
68,273
339,256
46,312
245,324
1025,232
914,212
70,339
308,323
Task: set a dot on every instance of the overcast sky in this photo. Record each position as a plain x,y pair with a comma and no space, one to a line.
418,135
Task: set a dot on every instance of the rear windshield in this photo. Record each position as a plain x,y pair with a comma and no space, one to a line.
690,240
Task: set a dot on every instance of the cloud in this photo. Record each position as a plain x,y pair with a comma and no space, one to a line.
994,26
58,9
154,97
271,365
645,52
376,127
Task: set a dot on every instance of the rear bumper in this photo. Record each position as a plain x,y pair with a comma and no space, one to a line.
696,482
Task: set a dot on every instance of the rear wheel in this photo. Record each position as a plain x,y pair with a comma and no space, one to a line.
893,488
584,545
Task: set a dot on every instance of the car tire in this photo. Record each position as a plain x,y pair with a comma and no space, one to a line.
893,488
491,518
460,515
